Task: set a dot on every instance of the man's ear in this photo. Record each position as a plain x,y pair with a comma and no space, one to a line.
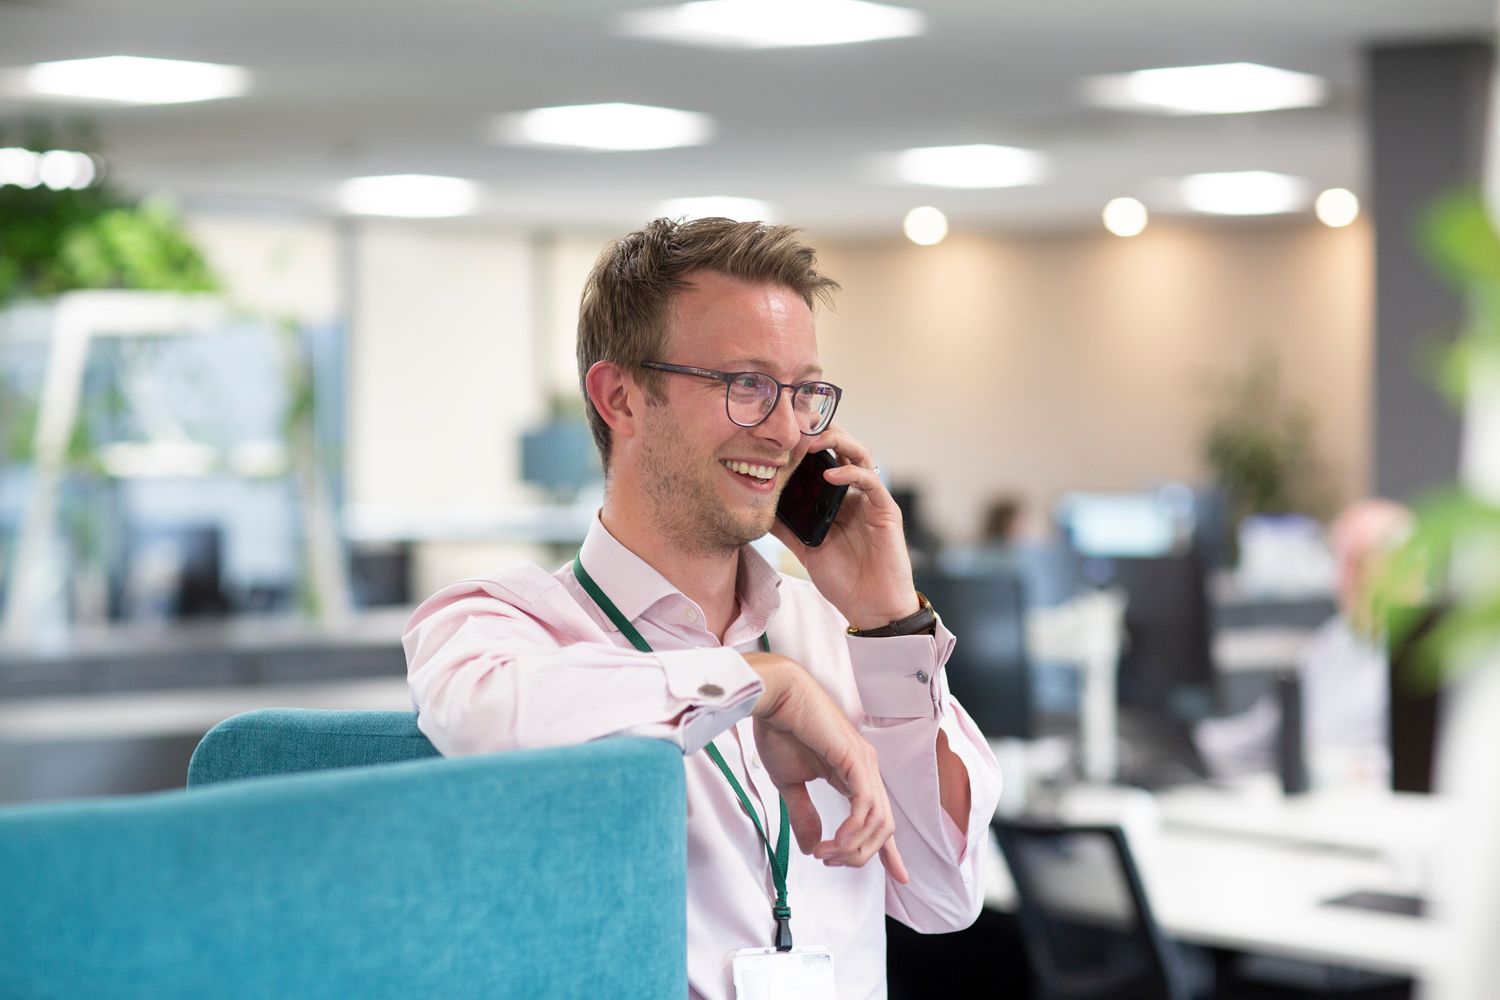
615,395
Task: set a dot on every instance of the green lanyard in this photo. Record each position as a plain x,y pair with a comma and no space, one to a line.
780,854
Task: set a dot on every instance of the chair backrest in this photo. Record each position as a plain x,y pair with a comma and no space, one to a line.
288,740
545,873
1087,925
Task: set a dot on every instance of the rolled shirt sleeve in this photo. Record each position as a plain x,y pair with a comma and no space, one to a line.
904,692
498,664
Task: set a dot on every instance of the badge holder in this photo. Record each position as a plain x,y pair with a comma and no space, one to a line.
768,974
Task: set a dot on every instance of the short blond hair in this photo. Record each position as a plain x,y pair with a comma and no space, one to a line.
622,317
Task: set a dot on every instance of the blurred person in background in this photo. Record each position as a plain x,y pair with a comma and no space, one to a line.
1343,668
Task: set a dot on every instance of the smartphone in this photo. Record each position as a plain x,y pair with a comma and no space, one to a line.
808,504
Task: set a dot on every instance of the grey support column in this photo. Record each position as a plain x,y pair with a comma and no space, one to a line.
1426,123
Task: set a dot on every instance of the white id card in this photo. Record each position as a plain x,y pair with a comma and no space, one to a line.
768,974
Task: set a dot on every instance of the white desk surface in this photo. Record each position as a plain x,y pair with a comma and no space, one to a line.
1259,885
1368,820
1255,649
137,714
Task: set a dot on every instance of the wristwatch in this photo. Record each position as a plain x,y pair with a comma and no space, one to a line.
922,622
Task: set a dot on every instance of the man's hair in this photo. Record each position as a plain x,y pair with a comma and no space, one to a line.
626,301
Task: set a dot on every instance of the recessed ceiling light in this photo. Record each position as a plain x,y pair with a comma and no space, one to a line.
715,206
613,126
20,167
1245,192
976,166
136,80
410,196
925,226
767,24
1337,207
1224,89
65,170
1125,217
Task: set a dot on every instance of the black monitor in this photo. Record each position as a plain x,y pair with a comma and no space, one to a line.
185,579
1167,659
989,672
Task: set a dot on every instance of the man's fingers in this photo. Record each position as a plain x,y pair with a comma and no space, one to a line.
803,816
861,835
894,866
784,535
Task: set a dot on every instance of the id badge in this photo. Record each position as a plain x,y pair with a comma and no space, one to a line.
768,974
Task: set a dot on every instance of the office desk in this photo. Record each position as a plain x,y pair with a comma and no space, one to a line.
1258,885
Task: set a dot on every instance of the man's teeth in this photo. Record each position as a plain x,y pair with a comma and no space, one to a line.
758,471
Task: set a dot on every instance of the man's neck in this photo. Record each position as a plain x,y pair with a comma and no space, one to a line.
707,578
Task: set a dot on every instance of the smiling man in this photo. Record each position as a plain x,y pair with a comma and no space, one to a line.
816,707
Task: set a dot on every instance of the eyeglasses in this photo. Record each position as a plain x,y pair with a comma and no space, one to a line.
750,397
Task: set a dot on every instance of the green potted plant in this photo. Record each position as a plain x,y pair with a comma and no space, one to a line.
1257,446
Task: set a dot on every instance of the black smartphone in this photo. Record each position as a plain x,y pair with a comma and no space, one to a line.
809,504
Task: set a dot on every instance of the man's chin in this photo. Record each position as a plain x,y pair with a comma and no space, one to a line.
751,529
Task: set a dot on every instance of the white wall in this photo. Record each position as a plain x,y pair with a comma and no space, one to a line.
441,367
1034,365
282,266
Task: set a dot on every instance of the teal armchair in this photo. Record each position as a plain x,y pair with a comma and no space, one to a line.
546,873
289,740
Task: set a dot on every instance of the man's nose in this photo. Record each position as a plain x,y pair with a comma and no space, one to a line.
781,424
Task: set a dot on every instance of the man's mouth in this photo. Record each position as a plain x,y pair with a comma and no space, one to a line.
758,474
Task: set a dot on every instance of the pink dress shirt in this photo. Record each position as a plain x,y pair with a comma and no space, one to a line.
525,658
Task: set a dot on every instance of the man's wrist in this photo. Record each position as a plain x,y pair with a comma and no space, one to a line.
922,621
776,681
864,619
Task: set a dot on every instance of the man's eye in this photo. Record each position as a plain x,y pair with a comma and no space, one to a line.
748,383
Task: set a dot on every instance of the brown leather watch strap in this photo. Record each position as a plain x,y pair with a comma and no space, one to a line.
921,622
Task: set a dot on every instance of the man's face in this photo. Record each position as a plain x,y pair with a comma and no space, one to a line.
688,443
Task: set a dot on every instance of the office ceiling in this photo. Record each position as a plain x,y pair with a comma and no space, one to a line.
356,87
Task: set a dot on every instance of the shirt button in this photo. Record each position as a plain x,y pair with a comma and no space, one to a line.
692,615
711,691
755,762
921,677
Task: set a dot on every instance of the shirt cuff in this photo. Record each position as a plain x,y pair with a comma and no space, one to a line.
713,689
901,676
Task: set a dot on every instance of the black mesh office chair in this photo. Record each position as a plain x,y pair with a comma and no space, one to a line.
1087,925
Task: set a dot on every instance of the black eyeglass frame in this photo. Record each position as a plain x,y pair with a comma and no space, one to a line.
728,379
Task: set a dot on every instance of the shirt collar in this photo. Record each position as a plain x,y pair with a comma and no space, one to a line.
634,585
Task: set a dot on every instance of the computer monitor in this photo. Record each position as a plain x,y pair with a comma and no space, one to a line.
560,458
1167,660
171,571
988,672
1132,525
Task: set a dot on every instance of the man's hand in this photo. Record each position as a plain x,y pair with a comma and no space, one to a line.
801,735
862,567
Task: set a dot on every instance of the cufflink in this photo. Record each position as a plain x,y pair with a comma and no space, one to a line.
710,691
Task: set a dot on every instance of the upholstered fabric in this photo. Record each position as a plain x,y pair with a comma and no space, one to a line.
548,873
288,740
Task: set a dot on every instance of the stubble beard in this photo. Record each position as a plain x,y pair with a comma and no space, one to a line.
685,507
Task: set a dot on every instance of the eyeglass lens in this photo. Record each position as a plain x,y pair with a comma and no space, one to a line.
752,396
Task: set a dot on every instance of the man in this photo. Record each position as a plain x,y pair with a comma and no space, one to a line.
656,628
1342,667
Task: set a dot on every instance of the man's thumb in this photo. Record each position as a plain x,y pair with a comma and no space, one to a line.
807,825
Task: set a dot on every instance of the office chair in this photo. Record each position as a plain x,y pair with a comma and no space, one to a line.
1085,920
